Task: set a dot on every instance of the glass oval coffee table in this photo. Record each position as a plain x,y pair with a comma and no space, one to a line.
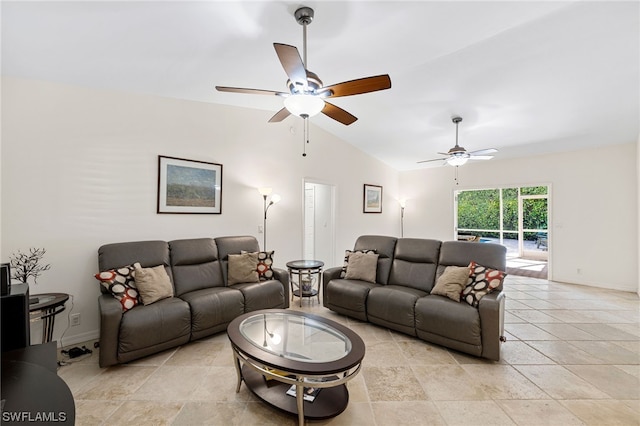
296,362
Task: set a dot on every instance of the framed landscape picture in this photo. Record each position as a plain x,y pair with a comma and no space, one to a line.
189,186
372,200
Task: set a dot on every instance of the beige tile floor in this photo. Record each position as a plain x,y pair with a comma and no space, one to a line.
572,358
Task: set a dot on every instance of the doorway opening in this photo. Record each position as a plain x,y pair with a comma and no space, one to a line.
319,222
516,217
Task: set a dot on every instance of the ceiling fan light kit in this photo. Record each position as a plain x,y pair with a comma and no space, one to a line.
304,105
457,160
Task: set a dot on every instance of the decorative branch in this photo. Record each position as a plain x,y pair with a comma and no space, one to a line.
25,265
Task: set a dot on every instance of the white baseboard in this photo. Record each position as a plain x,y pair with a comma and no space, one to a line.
88,336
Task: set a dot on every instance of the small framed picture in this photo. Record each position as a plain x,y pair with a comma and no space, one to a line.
189,186
372,200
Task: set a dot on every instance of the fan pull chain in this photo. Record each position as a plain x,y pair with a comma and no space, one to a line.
456,176
305,135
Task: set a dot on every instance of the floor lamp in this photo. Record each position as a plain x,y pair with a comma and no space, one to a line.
275,198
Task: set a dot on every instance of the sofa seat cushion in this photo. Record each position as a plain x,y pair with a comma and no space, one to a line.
442,316
348,297
213,308
262,295
148,325
393,306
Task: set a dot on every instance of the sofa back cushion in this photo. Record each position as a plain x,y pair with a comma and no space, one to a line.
147,253
195,265
415,263
461,253
234,245
384,247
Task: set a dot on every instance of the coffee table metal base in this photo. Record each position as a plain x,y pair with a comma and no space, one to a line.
331,401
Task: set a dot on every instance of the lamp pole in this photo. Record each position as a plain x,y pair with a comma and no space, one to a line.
264,223
265,192
403,203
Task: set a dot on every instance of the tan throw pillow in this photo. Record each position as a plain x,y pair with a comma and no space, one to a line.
451,282
243,268
153,284
362,266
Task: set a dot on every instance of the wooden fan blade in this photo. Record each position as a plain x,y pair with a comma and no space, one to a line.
483,151
250,91
480,157
280,115
291,62
357,87
428,161
338,114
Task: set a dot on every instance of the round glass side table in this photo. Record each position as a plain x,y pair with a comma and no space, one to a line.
305,277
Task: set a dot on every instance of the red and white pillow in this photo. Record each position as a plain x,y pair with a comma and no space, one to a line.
482,281
265,264
121,284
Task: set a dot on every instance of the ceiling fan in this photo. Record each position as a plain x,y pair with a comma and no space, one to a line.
457,156
307,96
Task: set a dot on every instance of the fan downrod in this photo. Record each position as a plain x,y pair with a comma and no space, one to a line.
304,15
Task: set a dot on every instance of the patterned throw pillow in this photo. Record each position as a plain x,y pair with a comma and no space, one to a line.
348,253
121,284
482,281
265,264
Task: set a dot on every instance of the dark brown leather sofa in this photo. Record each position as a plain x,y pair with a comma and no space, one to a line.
203,302
400,298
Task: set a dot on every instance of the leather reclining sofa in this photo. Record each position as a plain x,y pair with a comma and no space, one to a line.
203,304
400,299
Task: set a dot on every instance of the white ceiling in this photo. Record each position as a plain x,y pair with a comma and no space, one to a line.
527,77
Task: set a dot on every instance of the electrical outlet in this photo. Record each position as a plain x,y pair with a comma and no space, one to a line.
260,229
75,320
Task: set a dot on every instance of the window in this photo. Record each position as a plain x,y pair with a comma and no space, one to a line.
515,217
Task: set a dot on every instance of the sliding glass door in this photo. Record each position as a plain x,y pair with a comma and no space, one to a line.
515,217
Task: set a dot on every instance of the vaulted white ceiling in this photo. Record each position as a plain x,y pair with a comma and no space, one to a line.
527,77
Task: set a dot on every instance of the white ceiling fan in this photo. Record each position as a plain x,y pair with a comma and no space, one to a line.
457,156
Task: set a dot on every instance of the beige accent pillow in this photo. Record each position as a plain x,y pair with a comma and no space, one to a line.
362,266
452,282
243,268
153,284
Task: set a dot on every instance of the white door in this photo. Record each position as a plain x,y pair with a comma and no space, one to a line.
319,222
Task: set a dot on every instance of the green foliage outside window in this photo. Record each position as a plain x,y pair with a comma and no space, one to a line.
481,210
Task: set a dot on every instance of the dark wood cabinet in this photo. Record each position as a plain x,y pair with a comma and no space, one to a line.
15,318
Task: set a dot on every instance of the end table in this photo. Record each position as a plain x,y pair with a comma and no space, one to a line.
308,273
47,306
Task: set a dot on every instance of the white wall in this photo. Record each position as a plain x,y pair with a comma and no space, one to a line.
594,207
79,169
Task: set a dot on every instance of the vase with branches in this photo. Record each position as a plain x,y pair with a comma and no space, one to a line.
25,265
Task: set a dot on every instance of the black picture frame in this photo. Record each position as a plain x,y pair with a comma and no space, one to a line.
372,199
189,186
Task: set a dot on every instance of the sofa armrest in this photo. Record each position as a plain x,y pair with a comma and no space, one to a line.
282,275
328,275
491,310
110,318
